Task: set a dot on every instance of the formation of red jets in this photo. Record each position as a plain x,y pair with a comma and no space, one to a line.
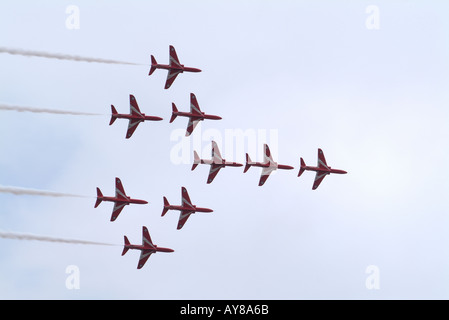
216,163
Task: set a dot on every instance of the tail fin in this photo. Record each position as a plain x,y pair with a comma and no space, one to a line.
248,163
173,115
196,160
166,206
125,248
153,65
99,198
114,114
302,168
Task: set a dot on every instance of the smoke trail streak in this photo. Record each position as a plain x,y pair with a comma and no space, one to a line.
24,236
31,53
40,110
34,192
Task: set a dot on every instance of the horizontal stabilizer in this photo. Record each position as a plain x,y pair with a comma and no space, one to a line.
302,168
166,206
153,65
125,248
99,198
114,114
248,163
196,160
174,111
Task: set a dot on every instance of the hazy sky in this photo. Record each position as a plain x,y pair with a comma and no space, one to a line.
368,85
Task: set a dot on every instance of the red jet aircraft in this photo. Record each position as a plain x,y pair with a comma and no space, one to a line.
120,200
186,208
174,67
267,167
195,115
135,117
321,171
146,249
216,163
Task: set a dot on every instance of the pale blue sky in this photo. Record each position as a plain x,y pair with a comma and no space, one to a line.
375,101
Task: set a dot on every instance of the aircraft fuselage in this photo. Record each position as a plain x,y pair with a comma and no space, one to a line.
121,200
194,116
136,117
273,165
148,248
328,171
181,69
224,163
193,208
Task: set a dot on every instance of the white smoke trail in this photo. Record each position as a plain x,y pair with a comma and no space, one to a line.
40,110
34,192
24,236
32,53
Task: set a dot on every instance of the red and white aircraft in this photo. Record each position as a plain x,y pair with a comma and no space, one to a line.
146,248
267,166
186,208
195,115
120,200
135,116
174,67
322,169
216,163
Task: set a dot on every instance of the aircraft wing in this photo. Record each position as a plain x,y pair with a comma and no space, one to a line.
119,190
183,218
191,126
171,76
173,73
144,255
267,154
185,199
322,160
132,126
146,239
133,106
185,214
265,174
318,178
174,61
216,155
118,207
194,106
213,172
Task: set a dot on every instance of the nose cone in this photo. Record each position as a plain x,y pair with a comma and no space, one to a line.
212,117
208,210
189,69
